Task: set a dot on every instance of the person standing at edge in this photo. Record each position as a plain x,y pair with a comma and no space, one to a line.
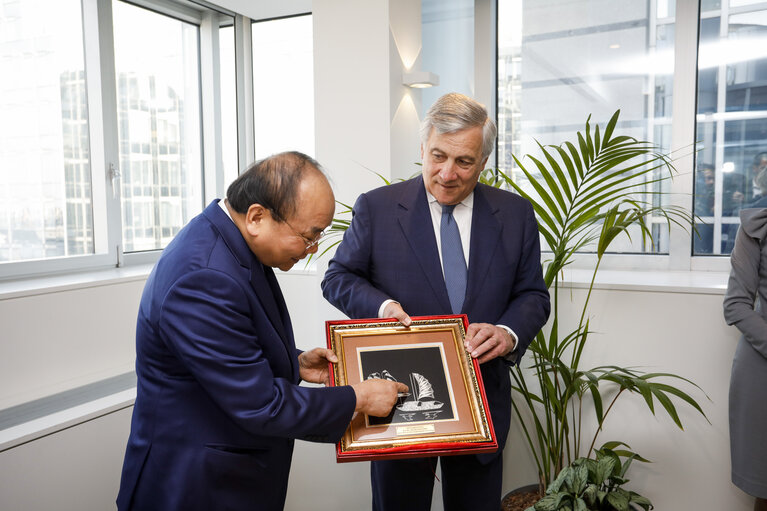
744,307
406,252
218,402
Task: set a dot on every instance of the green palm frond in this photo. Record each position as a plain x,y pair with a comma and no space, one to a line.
586,194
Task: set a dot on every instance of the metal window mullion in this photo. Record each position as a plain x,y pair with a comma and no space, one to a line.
102,105
650,81
210,91
243,56
721,106
683,127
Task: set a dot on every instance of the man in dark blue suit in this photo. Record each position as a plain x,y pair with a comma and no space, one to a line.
405,252
218,402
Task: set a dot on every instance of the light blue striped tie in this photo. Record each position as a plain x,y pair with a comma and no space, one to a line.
453,262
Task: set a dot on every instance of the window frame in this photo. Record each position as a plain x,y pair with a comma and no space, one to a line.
683,121
99,60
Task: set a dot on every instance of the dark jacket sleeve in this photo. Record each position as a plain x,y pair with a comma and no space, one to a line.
206,322
347,281
529,306
742,289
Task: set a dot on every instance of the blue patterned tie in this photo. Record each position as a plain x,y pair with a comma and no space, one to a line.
453,262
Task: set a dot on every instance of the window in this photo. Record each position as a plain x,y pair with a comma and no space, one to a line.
158,111
559,62
731,120
45,157
283,86
109,110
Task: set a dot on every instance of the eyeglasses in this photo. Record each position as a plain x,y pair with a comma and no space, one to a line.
309,242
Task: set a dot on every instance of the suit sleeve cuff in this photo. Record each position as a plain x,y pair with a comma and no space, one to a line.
512,355
383,306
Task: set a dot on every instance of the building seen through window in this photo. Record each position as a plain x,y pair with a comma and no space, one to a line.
158,110
561,61
731,134
45,169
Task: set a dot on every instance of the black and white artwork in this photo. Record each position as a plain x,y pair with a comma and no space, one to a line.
422,368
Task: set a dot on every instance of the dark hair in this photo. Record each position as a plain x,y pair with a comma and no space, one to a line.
273,183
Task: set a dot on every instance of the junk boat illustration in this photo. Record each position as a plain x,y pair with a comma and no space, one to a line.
423,396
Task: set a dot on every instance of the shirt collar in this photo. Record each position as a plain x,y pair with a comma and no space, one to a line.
222,204
468,201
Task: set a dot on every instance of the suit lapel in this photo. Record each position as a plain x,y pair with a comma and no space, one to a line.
262,278
485,239
267,295
414,218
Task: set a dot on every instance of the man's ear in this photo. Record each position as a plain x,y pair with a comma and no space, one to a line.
254,219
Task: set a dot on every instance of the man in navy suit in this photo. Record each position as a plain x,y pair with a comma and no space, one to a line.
218,402
405,253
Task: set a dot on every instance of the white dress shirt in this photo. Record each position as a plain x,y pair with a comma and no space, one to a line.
462,214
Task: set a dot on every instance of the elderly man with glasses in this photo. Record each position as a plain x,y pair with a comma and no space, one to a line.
218,403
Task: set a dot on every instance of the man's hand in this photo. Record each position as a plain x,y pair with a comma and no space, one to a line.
313,365
377,397
486,342
394,310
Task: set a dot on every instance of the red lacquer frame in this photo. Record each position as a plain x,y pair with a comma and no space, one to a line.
452,418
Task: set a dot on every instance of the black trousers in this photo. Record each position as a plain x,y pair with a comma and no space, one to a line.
467,484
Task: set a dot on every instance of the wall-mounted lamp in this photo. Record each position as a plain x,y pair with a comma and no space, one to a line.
420,79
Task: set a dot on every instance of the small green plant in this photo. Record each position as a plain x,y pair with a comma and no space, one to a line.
593,485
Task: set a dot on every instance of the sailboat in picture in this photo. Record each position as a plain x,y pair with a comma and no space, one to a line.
423,396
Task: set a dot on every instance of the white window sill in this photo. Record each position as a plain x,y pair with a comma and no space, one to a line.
69,281
85,279
695,282
706,282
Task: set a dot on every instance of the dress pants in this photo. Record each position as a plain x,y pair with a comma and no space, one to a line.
467,484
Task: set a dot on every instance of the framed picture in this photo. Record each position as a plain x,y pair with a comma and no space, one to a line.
445,411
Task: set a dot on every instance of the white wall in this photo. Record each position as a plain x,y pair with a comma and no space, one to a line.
690,469
77,469
52,342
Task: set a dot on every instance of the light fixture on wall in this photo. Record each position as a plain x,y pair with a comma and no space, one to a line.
420,79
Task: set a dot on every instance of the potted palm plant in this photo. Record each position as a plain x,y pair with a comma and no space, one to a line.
585,195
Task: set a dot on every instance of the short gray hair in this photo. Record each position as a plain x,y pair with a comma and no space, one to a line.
455,112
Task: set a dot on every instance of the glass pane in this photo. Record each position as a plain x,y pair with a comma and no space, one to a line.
283,103
447,32
228,103
158,110
731,128
747,62
45,173
563,60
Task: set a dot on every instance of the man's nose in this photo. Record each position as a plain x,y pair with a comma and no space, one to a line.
447,171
